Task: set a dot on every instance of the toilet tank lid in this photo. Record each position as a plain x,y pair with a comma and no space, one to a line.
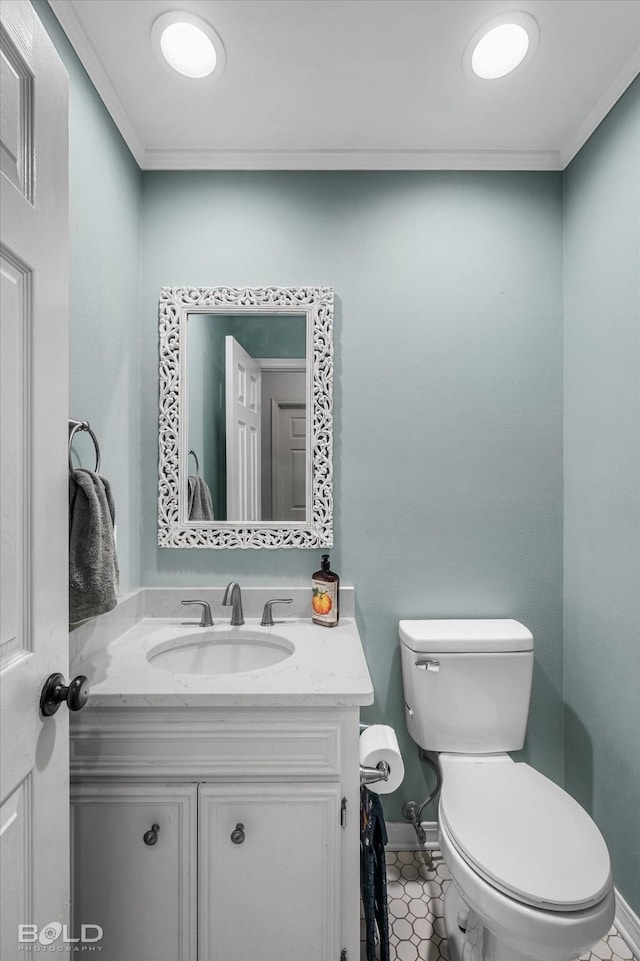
470,635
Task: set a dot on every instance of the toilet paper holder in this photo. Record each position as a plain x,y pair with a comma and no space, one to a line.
372,775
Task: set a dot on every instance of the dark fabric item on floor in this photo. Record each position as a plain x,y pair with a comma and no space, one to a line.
373,873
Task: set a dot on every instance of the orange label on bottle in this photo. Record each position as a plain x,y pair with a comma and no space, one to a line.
324,602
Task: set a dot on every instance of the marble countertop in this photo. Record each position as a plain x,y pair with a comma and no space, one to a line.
326,668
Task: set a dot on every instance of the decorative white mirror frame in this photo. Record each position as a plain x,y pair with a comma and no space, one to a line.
176,303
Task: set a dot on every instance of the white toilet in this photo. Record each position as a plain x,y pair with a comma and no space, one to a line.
531,871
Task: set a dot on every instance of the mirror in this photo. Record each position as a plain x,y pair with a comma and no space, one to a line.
246,411
246,417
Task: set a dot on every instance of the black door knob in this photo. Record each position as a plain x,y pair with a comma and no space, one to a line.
55,692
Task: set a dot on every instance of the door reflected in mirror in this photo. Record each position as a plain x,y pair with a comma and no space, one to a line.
247,425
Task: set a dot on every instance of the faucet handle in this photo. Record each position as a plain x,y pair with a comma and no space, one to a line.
267,615
206,620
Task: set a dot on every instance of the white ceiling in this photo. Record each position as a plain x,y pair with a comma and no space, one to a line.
357,84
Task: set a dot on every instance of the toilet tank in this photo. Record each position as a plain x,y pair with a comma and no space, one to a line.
466,684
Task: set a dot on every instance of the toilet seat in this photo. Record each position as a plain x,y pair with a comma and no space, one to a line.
522,833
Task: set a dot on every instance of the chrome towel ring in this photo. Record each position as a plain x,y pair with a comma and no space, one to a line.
74,427
195,457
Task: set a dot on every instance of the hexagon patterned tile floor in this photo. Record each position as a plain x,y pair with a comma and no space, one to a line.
415,891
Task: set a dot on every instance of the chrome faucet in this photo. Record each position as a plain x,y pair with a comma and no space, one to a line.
233,598
206,620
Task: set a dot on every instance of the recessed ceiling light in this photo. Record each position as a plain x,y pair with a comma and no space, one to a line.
503,44
188,44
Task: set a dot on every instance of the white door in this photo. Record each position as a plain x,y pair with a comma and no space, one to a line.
34,780
243,398
269,872
289,460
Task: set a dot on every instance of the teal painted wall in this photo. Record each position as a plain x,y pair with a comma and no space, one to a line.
206,403
448,396
448,448
602,484
272,336
104,202
206,406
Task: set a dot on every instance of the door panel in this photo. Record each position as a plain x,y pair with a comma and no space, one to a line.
34,779
15,824
15,285
289,461
16,144
243,400
276,894
142,895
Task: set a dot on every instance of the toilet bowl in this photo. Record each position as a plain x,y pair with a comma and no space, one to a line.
531,876
498,929
526,860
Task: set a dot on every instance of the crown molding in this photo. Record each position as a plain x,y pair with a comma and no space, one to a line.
601,108
351,160
79,40
151,159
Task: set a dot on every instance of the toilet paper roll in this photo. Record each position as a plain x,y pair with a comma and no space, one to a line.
379,743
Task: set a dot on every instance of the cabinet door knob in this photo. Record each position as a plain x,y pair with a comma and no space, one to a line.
55,692
151,837
237,835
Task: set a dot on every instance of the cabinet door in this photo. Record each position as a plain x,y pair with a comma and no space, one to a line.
142,895
274,896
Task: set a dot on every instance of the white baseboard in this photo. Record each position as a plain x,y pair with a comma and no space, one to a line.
402,837
628,924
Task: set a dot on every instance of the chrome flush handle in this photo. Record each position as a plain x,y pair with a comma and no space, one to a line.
428,664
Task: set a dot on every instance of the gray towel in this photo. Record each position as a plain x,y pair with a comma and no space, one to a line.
200,503
93,563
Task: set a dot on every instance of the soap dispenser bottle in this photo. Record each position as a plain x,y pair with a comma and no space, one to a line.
325,596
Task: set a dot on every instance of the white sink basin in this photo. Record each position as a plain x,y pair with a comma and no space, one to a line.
221,652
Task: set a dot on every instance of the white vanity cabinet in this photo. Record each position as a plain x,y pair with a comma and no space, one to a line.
257,853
